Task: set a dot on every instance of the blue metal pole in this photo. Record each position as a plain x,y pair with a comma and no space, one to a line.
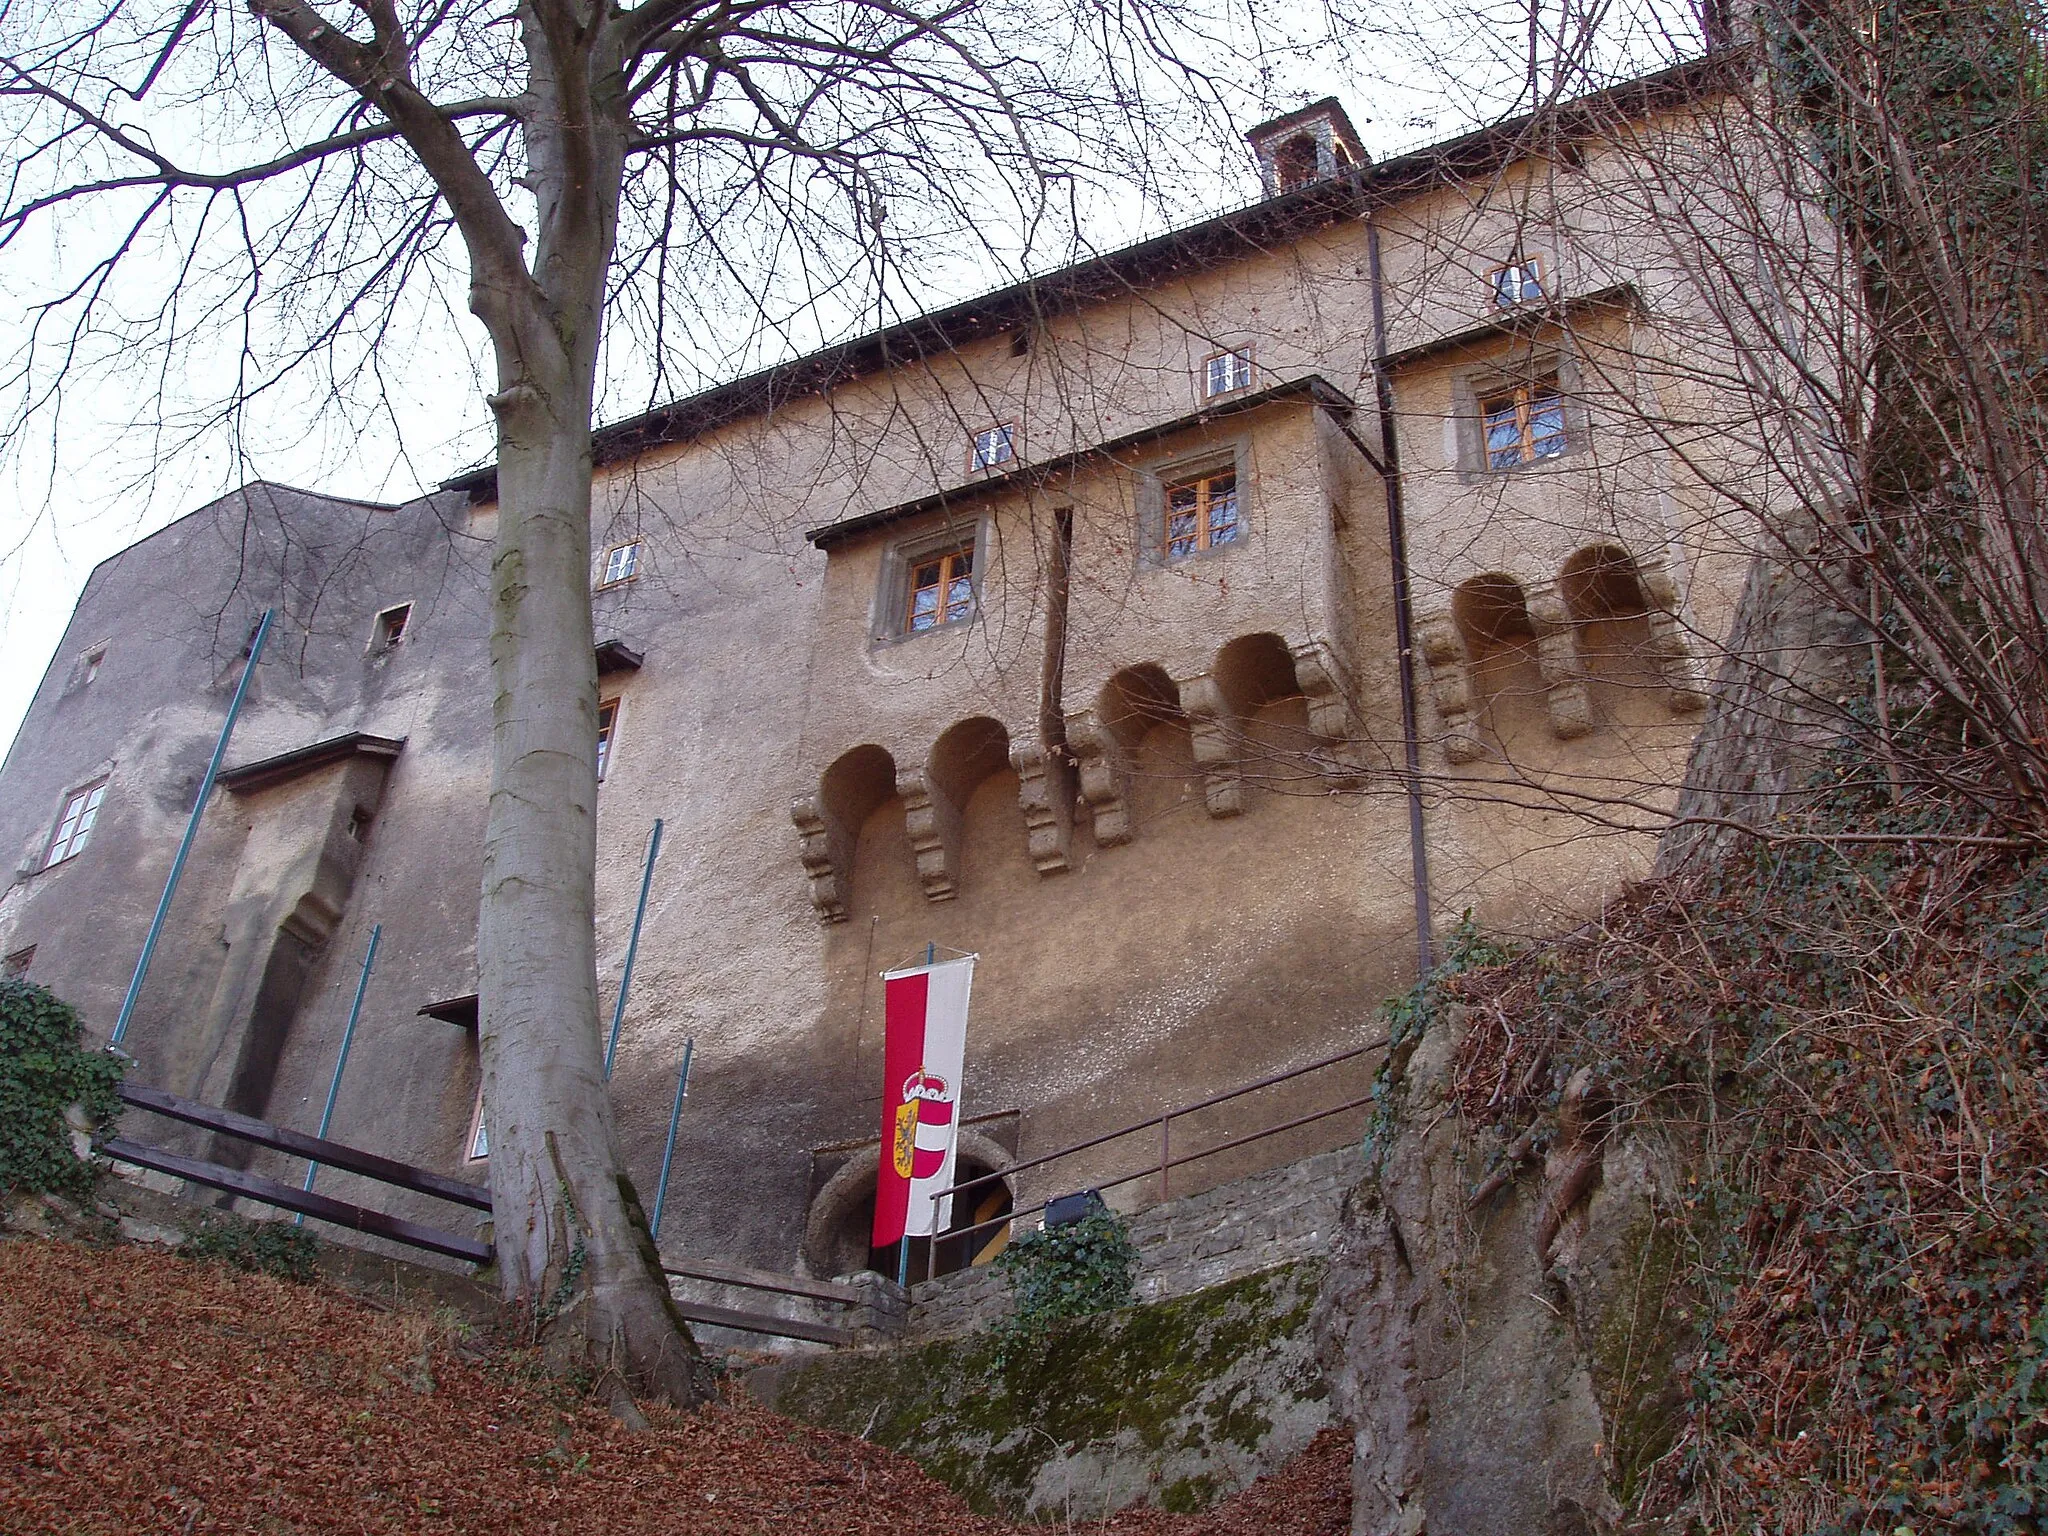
348,1035
611,1048
668,1152
220,748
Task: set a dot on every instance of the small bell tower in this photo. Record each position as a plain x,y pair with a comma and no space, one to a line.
1307,145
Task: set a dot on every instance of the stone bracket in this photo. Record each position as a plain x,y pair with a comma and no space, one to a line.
1450,685
1045,790
1104,778
1214,731
1562,666
933,822
827,855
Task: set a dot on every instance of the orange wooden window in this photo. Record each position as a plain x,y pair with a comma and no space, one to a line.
1523,424
1202,512
941,589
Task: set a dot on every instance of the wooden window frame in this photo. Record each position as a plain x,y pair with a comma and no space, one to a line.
631,550
1206,496
1531,270
67,838
1526,400
945,558
1239,375
1003,433
607,735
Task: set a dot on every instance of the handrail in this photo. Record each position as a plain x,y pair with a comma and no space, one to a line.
1167,1162
1161,1120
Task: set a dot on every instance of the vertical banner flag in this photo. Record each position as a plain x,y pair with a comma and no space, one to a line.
924,1010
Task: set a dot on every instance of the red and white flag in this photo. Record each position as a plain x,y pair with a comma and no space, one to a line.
924,1009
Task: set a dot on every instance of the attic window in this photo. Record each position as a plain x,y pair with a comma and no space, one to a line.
89,664
1226,372
359,824
15,966
1020,342
390,627
1297,162
1518,282
996,445
621,563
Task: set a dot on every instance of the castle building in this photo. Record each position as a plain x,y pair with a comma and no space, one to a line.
1177,632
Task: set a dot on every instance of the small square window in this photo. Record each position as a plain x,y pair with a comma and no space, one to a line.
75,823
997,445
1518,282
15,966
391,626
940,589
478,1145
1226,373
90,663
1523,424
620,564
1201,513
607,728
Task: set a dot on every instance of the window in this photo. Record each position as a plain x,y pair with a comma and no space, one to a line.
1020,342
359,824
941,589
478,1147
15,966
620,564
1523,424
1201,513
1297,162
74,825
1519,282
607,726
998,445
390,627
89,664
1225,373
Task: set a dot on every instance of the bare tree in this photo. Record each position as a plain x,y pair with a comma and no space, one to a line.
305,177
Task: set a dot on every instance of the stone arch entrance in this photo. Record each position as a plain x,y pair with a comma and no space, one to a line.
841,1220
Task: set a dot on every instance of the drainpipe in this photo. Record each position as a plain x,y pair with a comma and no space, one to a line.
1389,465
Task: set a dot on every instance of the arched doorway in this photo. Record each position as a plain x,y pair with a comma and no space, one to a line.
838,1232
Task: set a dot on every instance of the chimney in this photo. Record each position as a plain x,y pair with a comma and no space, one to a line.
1307,145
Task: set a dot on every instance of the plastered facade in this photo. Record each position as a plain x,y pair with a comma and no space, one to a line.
1160,796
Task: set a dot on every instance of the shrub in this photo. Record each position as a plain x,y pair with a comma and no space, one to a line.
1071,1270
264,1247
43,1073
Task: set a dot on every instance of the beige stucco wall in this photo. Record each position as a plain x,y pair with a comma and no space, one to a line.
1131,972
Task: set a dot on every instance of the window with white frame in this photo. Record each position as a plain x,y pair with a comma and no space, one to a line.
1517,282
75,823
621,563
1226,373
478,1146
607,728
996,445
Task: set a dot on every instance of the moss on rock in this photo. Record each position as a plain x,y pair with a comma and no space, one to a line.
1179,1401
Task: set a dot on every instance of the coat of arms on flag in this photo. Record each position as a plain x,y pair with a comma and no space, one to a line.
924,1046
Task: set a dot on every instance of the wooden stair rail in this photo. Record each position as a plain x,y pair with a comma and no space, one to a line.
329,1154
343,1213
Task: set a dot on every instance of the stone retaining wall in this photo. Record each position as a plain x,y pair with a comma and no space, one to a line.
1184,1246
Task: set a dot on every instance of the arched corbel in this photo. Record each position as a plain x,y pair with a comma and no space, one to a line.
1319,678
1215,734
1558,659
1045,791
933,822
826,853
1450,684
1104,777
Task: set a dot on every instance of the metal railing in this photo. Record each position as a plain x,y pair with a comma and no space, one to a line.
1167,1161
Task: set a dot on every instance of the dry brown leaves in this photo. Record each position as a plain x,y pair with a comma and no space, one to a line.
140,1392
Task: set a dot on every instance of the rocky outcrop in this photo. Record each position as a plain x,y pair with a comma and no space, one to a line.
1500,1345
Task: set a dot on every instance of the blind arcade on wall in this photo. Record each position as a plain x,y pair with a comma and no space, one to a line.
924,1009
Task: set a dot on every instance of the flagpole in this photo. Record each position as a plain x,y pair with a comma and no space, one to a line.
931,952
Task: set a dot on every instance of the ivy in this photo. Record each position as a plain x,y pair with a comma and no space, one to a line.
1071,1270
276,1248
43,1073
